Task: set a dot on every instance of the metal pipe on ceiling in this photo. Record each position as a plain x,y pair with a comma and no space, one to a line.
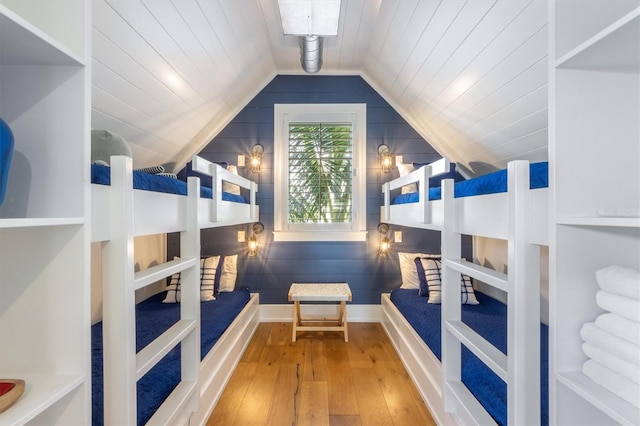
311,53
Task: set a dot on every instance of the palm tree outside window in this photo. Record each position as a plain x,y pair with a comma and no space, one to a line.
320,172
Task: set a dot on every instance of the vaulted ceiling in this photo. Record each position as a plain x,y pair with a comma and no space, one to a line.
470,76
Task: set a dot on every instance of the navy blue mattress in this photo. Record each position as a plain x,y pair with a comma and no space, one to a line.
491,183
152,318
489,319
102,175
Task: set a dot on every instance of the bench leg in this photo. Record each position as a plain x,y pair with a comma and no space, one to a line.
343,316
296,316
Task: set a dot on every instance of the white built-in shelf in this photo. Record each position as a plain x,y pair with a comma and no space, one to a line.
44,293
593,142
25,44
615,48
624,222
41,391
40,222
610,404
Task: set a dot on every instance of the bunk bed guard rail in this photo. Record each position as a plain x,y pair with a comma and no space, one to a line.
219,174
421,177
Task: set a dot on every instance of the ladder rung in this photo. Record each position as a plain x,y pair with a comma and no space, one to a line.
481,348
174,404
470,404
156,350
486,275
164,270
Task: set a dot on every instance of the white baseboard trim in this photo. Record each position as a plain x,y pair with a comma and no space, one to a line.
355,313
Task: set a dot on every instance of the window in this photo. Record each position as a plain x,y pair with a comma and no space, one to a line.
319,172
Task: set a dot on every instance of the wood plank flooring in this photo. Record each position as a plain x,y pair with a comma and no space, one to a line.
320,380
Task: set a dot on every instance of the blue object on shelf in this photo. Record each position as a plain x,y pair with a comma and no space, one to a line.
6,153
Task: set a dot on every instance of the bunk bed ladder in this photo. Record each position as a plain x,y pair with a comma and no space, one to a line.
123,367
520,370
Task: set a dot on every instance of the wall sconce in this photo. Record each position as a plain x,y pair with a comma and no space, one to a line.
385,158
256,158
385,244
252,243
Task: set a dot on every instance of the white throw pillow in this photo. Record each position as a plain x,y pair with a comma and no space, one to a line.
405,169
231,188
229,273
408,268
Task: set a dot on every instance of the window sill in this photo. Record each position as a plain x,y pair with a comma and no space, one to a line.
320,236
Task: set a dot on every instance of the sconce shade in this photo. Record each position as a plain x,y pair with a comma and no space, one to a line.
385,245
385,158
253,246
256,158
252,243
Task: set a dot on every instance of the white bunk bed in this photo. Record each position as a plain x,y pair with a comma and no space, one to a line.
519,216
486,216
121,213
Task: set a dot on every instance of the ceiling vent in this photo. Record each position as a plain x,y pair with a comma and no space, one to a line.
311,21
311,53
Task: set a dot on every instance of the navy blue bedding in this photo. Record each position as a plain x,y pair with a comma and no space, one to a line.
102,175
491,183
152,318
489,319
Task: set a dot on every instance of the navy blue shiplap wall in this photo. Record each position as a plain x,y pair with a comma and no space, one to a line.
278,264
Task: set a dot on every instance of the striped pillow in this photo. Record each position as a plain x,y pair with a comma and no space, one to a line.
208,281
173,290
208,268
432,275
152,170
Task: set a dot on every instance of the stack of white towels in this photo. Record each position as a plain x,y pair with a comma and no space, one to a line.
612,342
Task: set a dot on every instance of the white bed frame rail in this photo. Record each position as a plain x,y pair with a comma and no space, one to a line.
423,213
226,211
213,212
123,367
484,216
521,368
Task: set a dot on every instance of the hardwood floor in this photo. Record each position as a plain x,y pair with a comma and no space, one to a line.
320,380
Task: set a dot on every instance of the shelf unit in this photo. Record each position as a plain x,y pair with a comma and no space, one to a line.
44,234
594,153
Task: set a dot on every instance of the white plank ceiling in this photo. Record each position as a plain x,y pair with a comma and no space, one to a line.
470,76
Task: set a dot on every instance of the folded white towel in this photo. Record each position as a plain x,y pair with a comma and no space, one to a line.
619,280
620,327
612,381
623,306
621,348
626,369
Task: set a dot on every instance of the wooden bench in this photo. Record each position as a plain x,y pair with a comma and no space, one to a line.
320,292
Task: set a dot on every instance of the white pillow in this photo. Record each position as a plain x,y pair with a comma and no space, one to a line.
229,273
231,188
432,268
405,169
408,268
